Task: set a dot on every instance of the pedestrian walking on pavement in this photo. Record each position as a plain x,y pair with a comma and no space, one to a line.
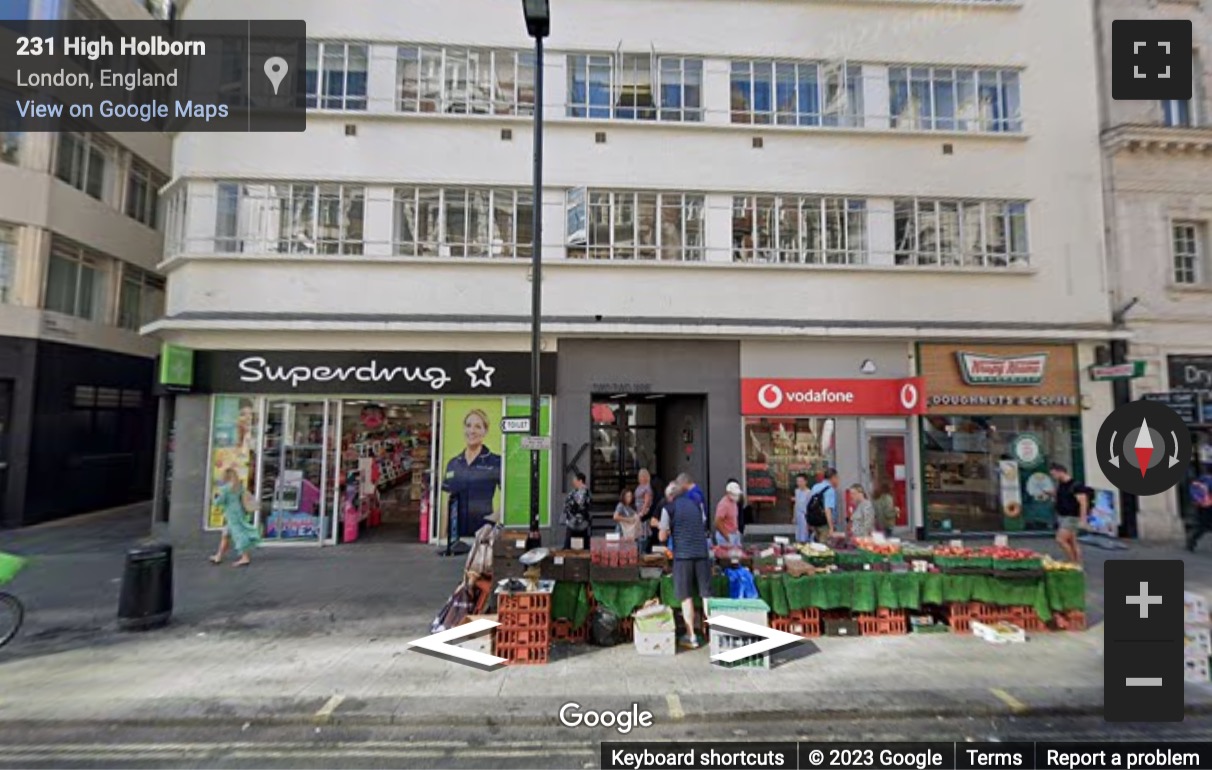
727,516
1072,508
1201,498
577,519
238,531
684,525
862,521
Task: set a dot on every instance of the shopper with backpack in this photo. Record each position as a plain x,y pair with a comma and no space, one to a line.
822,513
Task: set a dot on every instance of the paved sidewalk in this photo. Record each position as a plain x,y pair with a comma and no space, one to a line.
310,634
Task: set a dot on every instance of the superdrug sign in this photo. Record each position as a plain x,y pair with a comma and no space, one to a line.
344,372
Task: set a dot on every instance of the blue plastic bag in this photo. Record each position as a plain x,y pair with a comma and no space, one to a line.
740,583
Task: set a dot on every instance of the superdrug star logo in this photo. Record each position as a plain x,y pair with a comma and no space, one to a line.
481,374
1144,448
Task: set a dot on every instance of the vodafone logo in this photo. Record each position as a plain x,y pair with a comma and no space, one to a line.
909,396
770,396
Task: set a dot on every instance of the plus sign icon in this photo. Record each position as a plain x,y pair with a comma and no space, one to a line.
1151,59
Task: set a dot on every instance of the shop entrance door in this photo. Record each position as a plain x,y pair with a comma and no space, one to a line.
887,468
624,441
294,470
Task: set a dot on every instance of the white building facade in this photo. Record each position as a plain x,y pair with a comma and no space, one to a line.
1158,191
762,221
79,246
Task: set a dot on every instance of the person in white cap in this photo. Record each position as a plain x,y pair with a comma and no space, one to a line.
727,516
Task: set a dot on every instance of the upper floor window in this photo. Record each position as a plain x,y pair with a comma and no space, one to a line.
799,230
143,192
948,99
797,93
8,261
336,75
1189,250
605,224
140,299
1177,113
74,282
174,221
289,218
85,161
635,87
465,81
10,127
463,222
961,233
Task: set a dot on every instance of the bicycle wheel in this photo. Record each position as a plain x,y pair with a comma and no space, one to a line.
11,615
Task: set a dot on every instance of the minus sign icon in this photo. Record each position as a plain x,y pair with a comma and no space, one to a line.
1143,681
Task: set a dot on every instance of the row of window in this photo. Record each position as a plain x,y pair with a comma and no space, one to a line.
79,283
89,162
626,86
301,218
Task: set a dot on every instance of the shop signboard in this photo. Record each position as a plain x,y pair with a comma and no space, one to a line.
771,396
1129,371
345,372
1193,373
176,368
1185,403
967,379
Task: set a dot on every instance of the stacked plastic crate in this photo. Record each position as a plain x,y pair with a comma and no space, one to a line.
524,636
722,639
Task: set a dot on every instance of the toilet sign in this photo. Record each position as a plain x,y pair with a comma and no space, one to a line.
515,425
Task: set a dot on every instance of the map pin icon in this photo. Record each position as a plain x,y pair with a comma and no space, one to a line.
276,69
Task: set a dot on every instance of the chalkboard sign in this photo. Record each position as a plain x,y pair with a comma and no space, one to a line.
1185,403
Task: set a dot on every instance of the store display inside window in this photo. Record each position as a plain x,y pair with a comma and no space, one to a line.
990,474
776,450
386,459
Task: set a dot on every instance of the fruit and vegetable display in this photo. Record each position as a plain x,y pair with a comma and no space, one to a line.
1052,565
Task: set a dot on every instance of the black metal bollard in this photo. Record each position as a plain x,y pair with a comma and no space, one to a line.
146,601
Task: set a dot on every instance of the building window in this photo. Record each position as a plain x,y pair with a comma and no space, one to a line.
797,93
635,87
336,75
635,225
143,193
73,282
799,230
141,298
85,162
287,218
1188,252
10,127
8,261
174,221
961,233
465,81
1177,113
946,99
463,222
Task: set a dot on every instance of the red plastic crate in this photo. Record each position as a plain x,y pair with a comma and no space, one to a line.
808,614
990,613
960,610
531,637
523,602
807,629
525,656
531,619
1074,620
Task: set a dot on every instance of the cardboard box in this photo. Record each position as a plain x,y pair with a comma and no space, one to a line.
1195,608
841,627
656,643
1197,641
999,633
482,643
1196,670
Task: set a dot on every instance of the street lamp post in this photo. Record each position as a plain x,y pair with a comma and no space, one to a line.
538,26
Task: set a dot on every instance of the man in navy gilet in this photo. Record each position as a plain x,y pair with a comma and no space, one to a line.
683,520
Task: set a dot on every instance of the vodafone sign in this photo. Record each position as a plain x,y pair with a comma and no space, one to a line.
760,396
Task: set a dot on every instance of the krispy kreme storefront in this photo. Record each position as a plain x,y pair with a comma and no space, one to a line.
996,416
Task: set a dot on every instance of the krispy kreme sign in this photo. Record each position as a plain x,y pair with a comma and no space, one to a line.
765,396
1011,378
981,369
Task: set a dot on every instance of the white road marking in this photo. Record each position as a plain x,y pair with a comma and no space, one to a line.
325,712
676,713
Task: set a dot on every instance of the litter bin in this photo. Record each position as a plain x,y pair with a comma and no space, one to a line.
146,601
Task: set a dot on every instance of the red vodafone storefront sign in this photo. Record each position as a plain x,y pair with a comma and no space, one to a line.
760,396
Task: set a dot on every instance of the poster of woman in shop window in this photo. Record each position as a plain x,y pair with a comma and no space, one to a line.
233,445
471,480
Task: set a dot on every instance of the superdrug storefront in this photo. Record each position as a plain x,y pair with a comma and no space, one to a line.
338,446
